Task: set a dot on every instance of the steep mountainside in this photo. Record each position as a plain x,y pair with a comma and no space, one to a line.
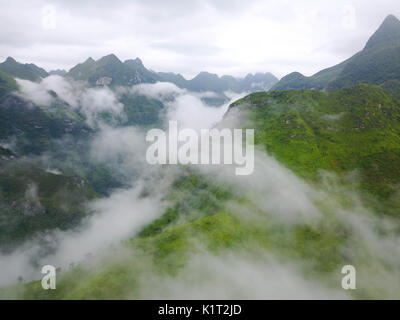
82,70
202,231
200,215
377,63
392,86
350,129
7,83
23,71
34,200
33,127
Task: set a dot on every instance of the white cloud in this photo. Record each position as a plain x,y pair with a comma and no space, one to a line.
114,219
35,92
100,99
237,276
186,107
78,95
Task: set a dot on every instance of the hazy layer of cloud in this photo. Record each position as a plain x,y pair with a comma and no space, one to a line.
78,95
186,107
237,276
115,218
126,211
273,195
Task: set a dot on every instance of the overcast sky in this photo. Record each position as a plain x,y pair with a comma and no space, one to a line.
220,36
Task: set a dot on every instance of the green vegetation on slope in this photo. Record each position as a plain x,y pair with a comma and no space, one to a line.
133,273
33,200
393,87
141,110
351,129
22,71
207,221
193,196
33,127
7,83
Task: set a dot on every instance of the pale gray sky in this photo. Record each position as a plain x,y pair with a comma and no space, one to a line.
221,36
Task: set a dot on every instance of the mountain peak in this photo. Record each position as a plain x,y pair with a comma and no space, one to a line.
136,63
390,20
205,74
89,60
388,33
27,71
11,59
111,58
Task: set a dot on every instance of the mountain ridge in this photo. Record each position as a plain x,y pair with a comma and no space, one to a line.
27,71
98,72
206,81
110,70
371,65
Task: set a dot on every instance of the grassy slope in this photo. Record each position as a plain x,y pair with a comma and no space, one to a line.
7,83
306,130
165,254
166,247
350,129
